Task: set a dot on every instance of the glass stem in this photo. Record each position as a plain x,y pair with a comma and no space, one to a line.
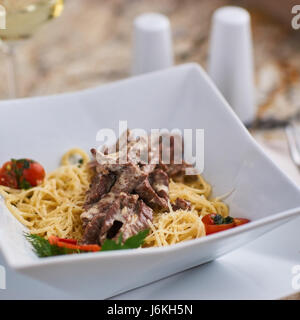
12,79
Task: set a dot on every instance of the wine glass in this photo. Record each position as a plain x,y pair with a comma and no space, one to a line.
22,18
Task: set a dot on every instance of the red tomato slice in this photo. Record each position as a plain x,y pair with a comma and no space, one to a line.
213,228
53,240
72,244
87,247
71,241
208,219
67,245
90,247
240,221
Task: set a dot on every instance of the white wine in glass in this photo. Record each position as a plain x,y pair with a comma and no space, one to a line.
23,18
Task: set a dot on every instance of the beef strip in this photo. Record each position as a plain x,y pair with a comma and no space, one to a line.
181,204
101,184
100,217
126,215
176,166
136,221
125,177
151,198
131,218
147,168
155,190
176,170
99,207
124,203
121,196
129,176
93,227
160,183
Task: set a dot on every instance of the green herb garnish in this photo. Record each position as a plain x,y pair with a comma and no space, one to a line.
43,248
218,219
80,163
228,220
24,162
131,243
18,167
24,184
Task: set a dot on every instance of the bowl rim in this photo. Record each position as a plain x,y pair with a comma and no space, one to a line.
115,254
286,214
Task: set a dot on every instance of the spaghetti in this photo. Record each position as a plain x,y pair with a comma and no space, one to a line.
54,207
173,227
182,225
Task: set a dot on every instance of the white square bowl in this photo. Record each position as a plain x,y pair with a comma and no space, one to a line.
181,97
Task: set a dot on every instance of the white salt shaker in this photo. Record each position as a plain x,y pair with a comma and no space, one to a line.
152,43
231,60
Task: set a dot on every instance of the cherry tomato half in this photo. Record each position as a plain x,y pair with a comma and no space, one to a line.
8,177
35,174
21,174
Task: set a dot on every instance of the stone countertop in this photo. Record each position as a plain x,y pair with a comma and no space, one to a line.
90,44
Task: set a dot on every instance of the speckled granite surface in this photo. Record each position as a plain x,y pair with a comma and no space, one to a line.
90,44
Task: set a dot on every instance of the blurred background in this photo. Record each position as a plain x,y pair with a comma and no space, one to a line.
90,44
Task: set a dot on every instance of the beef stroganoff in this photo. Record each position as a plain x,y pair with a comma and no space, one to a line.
92,205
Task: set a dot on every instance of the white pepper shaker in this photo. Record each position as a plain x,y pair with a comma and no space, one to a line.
152,43
231,60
